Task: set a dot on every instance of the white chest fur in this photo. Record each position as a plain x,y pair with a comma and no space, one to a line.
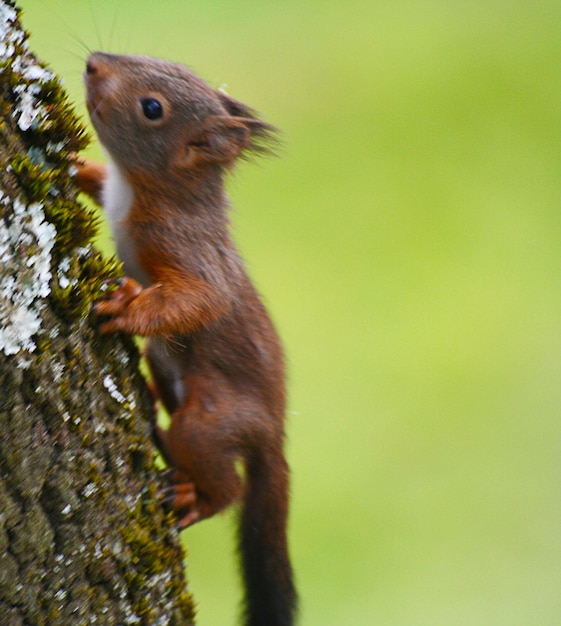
118,197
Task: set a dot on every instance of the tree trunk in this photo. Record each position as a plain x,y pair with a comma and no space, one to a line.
83,537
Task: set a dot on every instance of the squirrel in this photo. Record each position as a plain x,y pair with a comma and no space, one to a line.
214,355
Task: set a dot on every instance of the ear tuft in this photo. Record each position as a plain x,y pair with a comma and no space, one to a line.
224,138
264,137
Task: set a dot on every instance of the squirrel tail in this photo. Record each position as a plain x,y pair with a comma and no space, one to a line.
270,597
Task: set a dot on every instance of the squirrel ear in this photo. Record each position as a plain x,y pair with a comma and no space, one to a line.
221,140
224,138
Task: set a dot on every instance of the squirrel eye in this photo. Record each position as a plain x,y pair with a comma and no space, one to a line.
152,108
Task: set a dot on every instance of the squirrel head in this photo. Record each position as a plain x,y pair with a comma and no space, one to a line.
153,116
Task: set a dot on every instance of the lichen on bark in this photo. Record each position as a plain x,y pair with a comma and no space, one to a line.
83,536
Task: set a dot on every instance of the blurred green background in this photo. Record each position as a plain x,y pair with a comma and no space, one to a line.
408,243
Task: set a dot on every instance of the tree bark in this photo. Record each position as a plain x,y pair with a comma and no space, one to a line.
83,537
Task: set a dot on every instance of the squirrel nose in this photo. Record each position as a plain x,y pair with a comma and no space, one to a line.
96,63
91,67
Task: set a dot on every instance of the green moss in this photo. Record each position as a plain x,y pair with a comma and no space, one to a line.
31,177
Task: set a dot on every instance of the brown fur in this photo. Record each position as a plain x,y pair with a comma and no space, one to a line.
216,359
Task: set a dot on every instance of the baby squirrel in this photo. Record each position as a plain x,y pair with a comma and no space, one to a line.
214,355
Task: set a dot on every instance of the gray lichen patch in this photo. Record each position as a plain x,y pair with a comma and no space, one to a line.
29,109
11,35
26,243
27,236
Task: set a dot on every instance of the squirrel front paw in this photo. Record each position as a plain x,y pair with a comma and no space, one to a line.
117,304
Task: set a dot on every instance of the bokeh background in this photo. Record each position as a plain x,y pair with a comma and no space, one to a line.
408,243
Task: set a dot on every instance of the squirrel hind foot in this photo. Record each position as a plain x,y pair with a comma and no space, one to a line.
181,497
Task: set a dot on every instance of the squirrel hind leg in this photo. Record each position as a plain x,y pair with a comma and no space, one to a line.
205,480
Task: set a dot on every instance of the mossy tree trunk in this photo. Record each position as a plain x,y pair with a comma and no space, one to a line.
83,537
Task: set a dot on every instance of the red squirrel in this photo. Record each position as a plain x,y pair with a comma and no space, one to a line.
213,352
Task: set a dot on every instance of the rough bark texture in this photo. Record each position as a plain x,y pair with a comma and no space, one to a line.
83,537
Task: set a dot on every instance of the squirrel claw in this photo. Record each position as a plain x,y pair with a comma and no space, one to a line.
167,474
182,498
167,494
111,282
117,301
189,519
